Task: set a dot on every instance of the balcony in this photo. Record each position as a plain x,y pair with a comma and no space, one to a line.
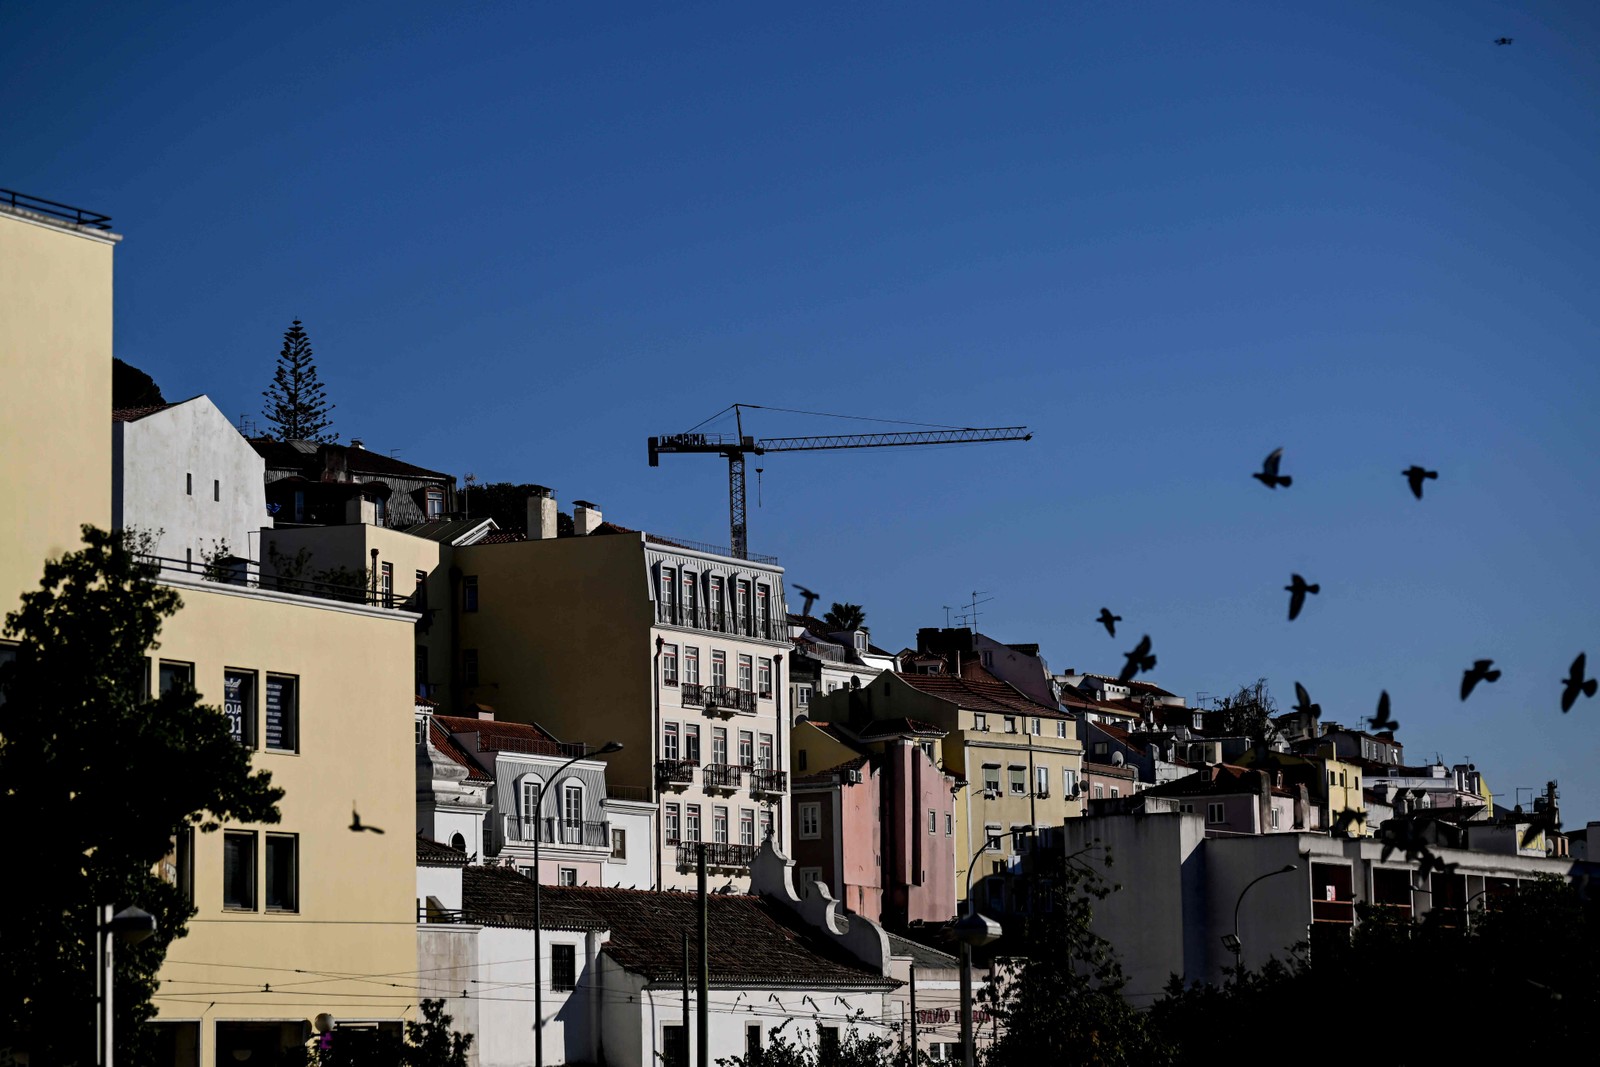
722,777
765,780
675,773
692,695
700,617
719,854
726,700
557,831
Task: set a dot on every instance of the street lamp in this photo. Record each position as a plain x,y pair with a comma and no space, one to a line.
1231,941
131,925
538,933
972,930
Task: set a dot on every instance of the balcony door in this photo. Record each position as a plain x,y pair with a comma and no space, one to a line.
572,814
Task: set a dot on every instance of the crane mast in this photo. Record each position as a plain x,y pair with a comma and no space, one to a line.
736,446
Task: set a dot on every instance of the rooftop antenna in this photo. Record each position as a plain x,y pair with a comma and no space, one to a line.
471,480
972,606
947,616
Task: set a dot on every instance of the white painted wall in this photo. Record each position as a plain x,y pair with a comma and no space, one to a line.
447,958
443,883
153,459
638,869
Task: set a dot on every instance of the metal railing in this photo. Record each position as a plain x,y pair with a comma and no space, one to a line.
247,573
712,620
708,549
723,776
676,771
692,694
726,696
629,792
554,830
718,854
533,747
767,780
76,215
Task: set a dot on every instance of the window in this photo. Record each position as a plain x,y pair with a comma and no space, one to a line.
669,594
531,790
1069,782
1115,792
672,824
283,872
216,489
669,664
239,705
239,870
172,675
469,593
827,1044
435,503
188,483
809,875
717,604
741,616
764,752
810,822
283,712
991,777
801,757
766,823
564,958
719,745
803,696
1019,780
992,837
690,601
763,611
566,876
933,821
1099,748
719,824
177,867
1011,724
719,668
691,742
691,823
469,667
764,677
949,824
1099,791
1214,812
1061,728
422,729
747,827
572,813
752,1043
1038,728
747,749
980,721
691,666
669,741
1187,809
1041,781
380,511
746,673
861,640
674,1046
1274,818
458,842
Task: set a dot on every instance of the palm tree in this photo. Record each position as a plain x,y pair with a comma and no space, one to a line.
842,617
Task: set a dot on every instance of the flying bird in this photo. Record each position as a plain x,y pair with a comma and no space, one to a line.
1381,723
1502,40
1479,672
811,598
1139,659
1303,702
1297,590
1575,683
1268,474
1415,475
1109,621
357,826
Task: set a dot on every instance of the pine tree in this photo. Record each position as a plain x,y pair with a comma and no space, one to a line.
297,405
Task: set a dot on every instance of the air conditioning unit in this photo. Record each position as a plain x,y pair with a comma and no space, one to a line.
853,777
991,793
1043,794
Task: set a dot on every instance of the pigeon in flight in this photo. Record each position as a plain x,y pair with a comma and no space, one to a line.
1347,818
1575,683
1139,659
1268,474
1297,590
1109,621
1381,723
1502,40
811,598
1415,475
1479,672
1303,702
357,826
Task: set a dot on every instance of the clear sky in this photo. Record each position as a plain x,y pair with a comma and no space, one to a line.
1169,237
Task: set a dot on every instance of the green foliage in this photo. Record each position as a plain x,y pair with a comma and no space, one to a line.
297,405
1418,989
132,387
507,504
1248,712
428,1043
101,777
1062,999
841,617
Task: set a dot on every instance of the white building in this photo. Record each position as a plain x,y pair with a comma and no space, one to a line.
182,472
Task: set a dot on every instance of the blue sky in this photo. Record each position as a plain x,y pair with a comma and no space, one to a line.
1168,237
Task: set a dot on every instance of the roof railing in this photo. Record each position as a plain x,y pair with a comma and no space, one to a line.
66,212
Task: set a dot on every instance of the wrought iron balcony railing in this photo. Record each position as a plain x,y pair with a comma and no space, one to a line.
554,830
767,780
676,772
722,776
728,698
723,854
692,694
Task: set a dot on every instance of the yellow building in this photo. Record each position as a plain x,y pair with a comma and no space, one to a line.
55,406
1022,760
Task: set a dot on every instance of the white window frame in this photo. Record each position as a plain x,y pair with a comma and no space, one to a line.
691,665
669,664
993,837
1216,812
810,828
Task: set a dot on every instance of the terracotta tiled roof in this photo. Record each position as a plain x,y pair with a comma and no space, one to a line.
503,896
1223,779
502,537
826,775
434,854
440,738
135,414
893,727
976,695
510,736
289,455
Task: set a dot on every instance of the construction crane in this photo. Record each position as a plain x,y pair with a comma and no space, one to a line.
735,447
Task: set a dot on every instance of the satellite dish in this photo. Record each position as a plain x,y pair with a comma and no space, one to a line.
1117,759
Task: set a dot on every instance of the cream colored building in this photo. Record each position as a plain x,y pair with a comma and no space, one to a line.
675,651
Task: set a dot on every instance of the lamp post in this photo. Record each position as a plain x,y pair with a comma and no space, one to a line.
538,931
972,930
132,925
1232,941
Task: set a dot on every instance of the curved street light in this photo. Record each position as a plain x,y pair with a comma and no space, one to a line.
538,932
1232,941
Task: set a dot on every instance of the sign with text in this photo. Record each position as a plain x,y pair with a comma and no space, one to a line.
282,695
238,699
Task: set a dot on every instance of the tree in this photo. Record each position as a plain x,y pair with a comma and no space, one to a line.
132,387
1248,713
507,504
1062,1001
854,1049
297,405
429,1042
102,777
842,617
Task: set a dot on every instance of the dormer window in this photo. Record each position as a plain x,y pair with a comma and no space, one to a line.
435,503
861,640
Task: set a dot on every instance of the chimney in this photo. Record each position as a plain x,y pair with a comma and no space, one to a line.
356,442
542,514
483,712
585,517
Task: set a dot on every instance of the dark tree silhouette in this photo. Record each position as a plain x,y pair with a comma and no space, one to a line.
132,387
113,775
843,617
427,1043
297,405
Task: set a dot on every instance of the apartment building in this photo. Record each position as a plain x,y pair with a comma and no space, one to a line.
676,650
